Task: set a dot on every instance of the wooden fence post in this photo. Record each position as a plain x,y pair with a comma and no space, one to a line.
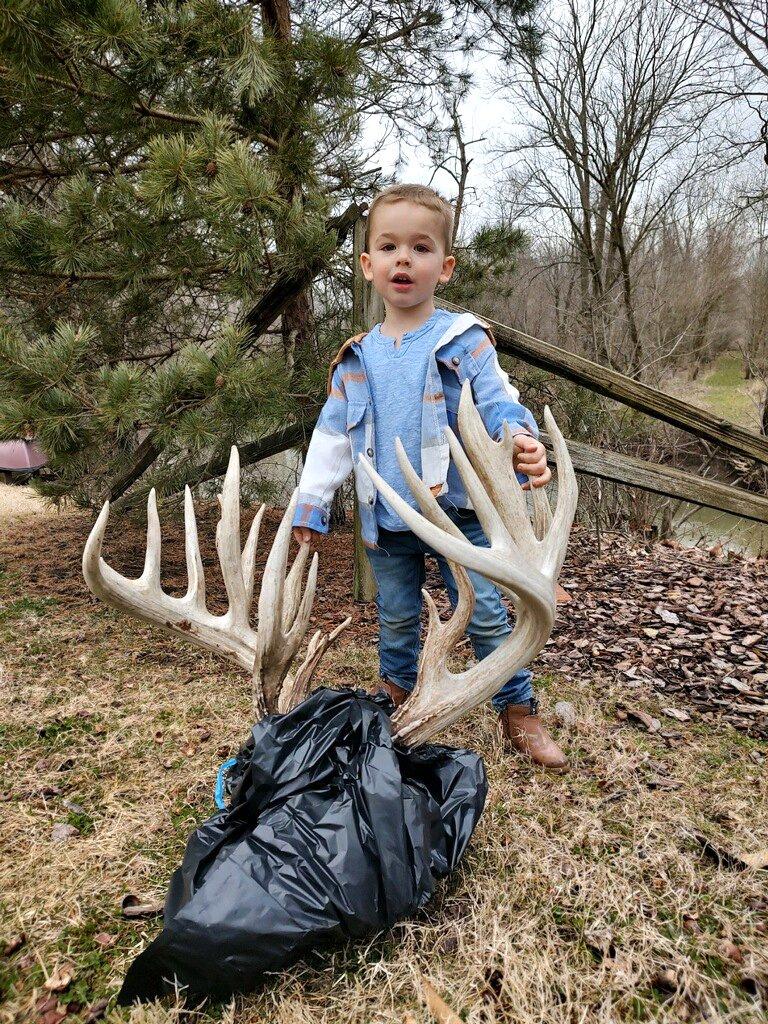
367,309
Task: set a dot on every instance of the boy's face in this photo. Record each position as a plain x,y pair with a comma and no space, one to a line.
406,258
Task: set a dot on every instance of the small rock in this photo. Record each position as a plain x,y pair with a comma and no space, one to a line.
730,951
677,713
565,714
74,807
62,832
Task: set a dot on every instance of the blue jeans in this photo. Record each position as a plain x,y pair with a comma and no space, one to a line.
398,565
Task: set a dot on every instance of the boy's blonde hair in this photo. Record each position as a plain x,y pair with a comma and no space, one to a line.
422,195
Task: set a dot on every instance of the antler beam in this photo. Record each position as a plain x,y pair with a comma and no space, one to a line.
523,560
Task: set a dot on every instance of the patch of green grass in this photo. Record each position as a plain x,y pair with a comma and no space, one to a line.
8,576
8,976
728,395
82,821
24,606
63,728
728,372
92,961
16,737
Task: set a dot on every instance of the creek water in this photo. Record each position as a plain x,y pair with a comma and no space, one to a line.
706,526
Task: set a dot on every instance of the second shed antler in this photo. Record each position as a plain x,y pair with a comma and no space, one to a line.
523,560
283,615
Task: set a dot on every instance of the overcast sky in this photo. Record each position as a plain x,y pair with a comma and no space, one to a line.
485,115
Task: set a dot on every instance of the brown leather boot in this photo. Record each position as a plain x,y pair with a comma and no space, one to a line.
397,693
524,731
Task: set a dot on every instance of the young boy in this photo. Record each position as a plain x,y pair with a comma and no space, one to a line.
403,379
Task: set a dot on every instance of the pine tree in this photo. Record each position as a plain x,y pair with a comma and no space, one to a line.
174,176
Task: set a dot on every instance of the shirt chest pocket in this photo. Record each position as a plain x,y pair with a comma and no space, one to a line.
452,393
355,415
360,433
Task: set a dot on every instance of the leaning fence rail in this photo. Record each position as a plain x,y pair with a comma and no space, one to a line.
615,385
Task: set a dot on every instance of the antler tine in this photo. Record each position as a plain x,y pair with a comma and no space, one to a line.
296,633
249,555
493,526
439,634
151,574
556,540
293,587
542,512
425,498
195,575
276,648
228,541
494,464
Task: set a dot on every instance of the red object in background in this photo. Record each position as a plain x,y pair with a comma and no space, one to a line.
21,457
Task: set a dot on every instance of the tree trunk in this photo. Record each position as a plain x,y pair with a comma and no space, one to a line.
364,310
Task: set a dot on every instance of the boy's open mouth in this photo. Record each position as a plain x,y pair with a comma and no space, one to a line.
401,281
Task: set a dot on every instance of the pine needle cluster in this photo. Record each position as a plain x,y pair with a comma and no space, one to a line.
162,166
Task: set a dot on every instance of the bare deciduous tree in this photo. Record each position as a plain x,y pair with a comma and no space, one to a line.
614,106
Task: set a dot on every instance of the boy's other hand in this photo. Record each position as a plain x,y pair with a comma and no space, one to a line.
303,534
530,458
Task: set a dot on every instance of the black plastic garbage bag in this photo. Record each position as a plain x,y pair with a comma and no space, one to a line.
332,833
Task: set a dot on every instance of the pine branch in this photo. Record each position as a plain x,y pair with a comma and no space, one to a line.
251,453
258,320
104,276
139,105
274,301
45,172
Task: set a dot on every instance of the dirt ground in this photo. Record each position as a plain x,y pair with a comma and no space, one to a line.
21,503
629,889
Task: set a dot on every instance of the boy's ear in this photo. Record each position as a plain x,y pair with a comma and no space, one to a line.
447,272
365,263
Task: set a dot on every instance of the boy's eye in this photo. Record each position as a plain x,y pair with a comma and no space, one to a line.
419,247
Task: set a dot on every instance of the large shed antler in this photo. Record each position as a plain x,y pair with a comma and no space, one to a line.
524,561
267,651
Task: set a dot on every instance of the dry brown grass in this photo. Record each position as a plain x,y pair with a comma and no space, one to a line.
583,897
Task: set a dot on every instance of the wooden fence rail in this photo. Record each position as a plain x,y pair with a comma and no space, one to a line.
617,386
673,483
